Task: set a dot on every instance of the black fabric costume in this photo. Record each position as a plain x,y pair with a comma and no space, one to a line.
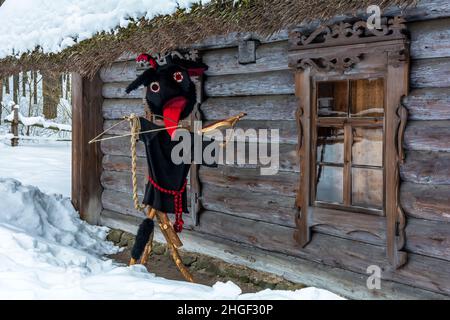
158,147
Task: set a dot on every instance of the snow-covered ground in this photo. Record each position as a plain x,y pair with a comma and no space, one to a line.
44,164
55,25
47,252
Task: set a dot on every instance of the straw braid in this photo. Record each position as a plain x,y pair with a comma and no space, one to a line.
135,129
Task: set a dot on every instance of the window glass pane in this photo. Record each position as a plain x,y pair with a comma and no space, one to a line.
329,184
330,145
367,188
332,99
367,148
367,98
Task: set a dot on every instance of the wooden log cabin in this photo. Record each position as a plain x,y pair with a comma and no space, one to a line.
364,173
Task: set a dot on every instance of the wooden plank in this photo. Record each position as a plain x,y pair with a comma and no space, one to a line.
343,282
428,104
279,107
430,73
264,83
269,57
429,238
426,201
114,109
423,272
86,158
430,39
426,167
427,136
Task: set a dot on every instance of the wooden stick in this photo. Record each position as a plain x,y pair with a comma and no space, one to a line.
132,262
173,250
147,250
151,213
168,227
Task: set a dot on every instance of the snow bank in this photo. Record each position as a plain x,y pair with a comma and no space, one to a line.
55,25
46,252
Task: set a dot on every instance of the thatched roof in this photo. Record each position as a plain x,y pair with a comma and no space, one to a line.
183,28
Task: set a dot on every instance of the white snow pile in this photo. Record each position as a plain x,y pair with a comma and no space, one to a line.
55,25
47,252
31,121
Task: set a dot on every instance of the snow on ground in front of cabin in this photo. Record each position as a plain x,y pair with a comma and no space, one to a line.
55,25
45,164
47,252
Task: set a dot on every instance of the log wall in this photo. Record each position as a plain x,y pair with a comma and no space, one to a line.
258,211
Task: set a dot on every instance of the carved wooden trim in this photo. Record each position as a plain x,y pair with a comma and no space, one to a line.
195,185
325,64
302,220
347,33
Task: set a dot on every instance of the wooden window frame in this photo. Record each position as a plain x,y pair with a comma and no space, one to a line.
347,124
341,52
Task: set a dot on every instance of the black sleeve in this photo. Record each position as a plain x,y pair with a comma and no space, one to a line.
146,126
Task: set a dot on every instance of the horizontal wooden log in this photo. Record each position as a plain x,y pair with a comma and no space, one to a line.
120,202
116,90
427,136
354,226
257,107
430,73
119,71
275,209
114,109
253,131
288,160
264,83
281,210
426,201
121,147
121,181
250,179
428,104
269,57
123,164
420,271
430,39
426,167
430,238
123,203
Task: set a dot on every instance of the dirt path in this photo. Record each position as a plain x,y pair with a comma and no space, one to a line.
205,270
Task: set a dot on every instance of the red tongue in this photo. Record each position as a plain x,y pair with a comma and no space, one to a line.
171,112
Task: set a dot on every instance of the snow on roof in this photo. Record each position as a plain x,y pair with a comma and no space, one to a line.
56,25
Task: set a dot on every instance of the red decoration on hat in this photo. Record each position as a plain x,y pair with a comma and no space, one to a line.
146,58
